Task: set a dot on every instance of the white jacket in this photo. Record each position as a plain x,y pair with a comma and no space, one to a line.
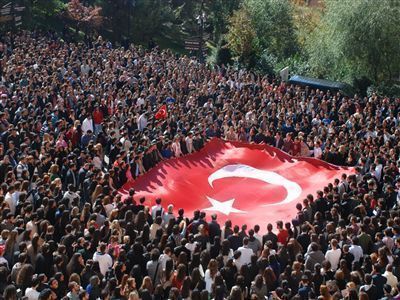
105,261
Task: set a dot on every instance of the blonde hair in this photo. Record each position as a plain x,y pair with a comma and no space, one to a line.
134,295
54,169
97,192
147,284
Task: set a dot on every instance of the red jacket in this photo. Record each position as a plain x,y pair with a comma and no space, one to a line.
283,236
98,116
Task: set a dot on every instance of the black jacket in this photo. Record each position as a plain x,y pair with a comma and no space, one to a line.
213,230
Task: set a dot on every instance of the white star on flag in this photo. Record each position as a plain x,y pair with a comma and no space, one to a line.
224,207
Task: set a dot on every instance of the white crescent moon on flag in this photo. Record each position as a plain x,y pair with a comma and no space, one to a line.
244,171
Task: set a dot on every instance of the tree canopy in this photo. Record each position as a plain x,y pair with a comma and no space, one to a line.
351,41
355,39
273,22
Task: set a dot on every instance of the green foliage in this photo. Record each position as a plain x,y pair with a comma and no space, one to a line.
118,18
361,85
385,89
273,23
261,33
224,55
242,37
43,13
143,21
355,39
152,18
266,63
47,8
219,12
298,64
219,54
185,13
306,19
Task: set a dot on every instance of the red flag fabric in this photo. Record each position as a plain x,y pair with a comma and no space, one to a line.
161,113
246,183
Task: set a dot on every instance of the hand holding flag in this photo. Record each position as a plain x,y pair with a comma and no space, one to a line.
161,113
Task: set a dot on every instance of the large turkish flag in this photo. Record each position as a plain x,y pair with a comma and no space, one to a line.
246,183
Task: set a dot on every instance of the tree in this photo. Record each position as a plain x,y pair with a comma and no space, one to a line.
43,13
118,16
242,37
151,18
306,19
273,23
219,12
357,39
84,16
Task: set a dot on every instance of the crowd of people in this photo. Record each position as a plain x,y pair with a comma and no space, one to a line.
79,120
